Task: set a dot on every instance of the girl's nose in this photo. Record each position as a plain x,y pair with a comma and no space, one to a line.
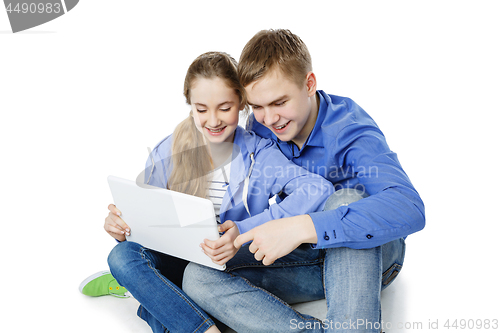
213,120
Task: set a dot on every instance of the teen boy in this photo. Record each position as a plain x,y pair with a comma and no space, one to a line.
346,253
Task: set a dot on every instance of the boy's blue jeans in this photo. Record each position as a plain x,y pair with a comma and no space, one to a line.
251,297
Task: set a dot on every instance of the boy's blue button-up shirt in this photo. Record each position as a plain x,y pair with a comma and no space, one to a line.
347,148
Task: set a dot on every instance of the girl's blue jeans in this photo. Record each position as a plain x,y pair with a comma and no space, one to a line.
154,279
251,297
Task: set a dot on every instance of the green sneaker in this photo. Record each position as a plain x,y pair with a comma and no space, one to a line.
103,283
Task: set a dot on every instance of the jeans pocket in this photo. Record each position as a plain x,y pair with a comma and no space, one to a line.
389,275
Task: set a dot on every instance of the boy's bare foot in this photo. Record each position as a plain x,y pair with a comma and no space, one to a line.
212,329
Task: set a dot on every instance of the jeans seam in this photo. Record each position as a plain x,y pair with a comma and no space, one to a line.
323,274
395,265
199,327
166,282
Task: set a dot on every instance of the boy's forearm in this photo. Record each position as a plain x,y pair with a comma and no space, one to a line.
305,229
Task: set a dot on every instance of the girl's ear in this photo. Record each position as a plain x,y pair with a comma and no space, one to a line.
311,84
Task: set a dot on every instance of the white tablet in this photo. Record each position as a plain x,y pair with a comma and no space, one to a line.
166,221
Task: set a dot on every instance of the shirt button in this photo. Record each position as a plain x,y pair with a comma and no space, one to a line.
326,237
369,236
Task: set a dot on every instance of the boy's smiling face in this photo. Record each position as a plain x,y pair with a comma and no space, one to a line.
288,110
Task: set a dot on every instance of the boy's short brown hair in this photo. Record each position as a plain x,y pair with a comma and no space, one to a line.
270,49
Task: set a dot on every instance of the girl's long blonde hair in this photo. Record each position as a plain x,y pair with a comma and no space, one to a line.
191,161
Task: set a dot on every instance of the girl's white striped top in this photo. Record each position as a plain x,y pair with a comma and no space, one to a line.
218,186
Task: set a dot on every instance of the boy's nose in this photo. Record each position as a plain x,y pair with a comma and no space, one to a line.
270,117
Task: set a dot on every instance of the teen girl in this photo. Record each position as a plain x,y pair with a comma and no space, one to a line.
209,155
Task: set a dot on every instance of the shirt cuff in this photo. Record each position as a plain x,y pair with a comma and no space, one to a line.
329,229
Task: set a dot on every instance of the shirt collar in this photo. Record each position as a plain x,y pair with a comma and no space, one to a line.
315,138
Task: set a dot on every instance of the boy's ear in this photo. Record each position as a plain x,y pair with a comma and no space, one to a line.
311,84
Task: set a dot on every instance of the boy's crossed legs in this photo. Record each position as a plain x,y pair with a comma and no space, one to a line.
251,297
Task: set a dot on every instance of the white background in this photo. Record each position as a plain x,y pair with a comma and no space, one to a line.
83,97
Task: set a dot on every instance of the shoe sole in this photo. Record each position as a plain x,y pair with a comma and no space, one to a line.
90,278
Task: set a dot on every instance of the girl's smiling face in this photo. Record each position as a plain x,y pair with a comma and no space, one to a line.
215,109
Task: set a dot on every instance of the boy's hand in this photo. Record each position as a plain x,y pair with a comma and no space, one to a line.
114,225
277,238
221,250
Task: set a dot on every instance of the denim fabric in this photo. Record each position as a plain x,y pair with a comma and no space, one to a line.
154,279
251,297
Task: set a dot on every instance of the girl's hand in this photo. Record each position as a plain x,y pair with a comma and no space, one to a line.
221,250
115,226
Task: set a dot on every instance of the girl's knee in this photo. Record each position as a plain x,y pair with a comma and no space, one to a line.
120,255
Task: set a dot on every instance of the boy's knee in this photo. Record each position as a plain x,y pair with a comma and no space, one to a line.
344,197
193,275
191,279
197,280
